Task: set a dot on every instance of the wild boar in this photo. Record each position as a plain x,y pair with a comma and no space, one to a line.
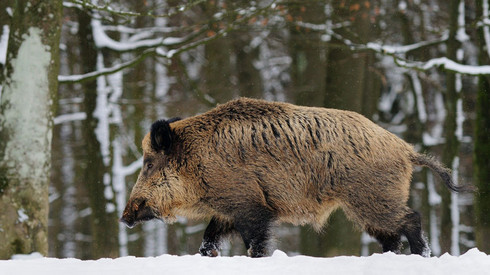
249,164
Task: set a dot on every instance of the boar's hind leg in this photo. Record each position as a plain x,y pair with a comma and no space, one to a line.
388,240
215,231
412,229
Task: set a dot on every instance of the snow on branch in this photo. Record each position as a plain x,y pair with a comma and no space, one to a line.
129,30
102,40
156,47
69,117
399,51
89,6
66,79
446,64
329,29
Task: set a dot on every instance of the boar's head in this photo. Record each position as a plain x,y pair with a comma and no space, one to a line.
158,189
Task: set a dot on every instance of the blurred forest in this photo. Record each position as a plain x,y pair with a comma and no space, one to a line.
416,67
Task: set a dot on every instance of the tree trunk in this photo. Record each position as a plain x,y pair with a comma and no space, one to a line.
26,110
104,227
482,146
308,53
451,147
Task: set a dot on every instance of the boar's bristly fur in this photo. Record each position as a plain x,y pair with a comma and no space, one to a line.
249,164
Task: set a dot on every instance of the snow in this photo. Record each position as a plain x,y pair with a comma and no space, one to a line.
102,40
434,199
3,43
486,28
101,112
417,87
402,49
69,117
461,35
472,262
22,215
448,64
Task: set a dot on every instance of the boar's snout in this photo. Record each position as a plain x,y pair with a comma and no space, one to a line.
137,211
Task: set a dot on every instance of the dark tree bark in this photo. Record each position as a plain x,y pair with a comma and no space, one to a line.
103,224
482,146
451,147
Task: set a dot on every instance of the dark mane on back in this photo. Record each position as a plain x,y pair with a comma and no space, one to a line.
247,109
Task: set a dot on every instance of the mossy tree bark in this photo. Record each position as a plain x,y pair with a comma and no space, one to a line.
27,106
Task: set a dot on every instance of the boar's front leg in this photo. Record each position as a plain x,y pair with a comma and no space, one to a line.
254,227
213,234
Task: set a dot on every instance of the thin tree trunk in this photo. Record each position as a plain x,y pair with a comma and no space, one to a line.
103,223
482,144
26,109
451,147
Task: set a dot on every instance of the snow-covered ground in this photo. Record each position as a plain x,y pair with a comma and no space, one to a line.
472,262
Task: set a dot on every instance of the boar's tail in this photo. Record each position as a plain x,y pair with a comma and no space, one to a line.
441,170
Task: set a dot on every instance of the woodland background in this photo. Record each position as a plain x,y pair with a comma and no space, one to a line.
418,68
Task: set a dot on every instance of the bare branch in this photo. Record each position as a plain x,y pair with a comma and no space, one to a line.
67,79
155,46
88,5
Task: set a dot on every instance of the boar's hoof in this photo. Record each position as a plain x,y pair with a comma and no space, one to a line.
208,249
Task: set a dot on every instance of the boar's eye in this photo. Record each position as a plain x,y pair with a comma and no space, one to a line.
149,166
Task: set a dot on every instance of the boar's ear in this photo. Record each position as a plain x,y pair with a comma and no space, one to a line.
161,136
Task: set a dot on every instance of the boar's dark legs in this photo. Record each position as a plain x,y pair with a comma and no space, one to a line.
252,223
412,229
213,235
254,228
389,241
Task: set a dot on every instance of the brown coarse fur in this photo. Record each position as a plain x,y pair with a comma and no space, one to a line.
250,163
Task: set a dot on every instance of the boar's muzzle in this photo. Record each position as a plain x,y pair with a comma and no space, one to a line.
137,211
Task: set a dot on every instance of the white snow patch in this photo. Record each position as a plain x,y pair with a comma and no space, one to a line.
33,255
417,87
69,117
434,199
102,112
472,262
22,215
461,35
402,6
459,119
486,28
4,39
